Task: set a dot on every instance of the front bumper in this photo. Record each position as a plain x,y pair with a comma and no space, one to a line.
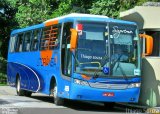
80,92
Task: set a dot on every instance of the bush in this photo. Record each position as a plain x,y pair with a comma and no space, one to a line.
3,76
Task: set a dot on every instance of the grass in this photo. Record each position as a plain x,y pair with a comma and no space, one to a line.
3,84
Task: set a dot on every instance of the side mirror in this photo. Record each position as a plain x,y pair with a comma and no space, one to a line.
74,38
148,44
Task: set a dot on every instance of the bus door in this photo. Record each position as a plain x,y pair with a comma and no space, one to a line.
66,58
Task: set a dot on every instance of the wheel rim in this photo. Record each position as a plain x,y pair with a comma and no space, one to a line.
18,86
55,91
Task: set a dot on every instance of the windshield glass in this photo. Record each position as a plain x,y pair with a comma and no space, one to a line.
91,47
123,49
106,50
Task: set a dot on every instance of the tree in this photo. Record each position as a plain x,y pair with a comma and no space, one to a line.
32,12
7,22
108,8
127,4
72,6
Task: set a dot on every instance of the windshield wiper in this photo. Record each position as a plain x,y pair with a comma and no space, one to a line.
123,73
76,59
118,60
114,62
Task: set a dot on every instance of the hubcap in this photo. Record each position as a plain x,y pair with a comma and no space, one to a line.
55,92
18,86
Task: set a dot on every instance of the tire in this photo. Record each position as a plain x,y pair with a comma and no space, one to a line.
57,100
27,93
20,92
109,105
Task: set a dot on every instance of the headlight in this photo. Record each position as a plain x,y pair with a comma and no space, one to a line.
134,85
80,82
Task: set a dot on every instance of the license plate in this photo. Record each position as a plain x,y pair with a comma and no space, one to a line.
108,94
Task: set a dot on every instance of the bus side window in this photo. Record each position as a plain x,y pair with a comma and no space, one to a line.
49,38
44,40
35,39
12,43
26,43
54,41
19,43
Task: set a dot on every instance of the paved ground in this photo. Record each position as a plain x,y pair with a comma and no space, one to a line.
42,104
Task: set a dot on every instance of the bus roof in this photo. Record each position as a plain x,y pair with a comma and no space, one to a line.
87,17
72,17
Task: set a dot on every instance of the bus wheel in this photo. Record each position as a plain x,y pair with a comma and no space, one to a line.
109,105
20,92
27,93
57,100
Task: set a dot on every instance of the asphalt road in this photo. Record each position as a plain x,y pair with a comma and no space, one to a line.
38,103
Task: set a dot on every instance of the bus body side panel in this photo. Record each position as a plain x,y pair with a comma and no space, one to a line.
20,72
34,76
26,67
13,71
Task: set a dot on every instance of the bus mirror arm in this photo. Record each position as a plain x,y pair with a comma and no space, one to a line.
74,38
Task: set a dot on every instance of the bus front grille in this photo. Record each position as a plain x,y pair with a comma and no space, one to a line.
108,86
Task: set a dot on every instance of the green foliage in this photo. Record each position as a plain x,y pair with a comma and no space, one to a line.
32,12
106,7
127,4
7,22
3,66
72,6
111,8
63,8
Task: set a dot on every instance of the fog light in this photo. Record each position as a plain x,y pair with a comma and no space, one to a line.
134,85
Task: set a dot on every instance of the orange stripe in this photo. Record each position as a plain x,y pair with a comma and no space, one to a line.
49,23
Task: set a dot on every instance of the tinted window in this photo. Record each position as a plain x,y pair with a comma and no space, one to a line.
35,39
50,37
12,43
19,43
26,45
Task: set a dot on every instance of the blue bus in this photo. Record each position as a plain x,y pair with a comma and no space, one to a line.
79,57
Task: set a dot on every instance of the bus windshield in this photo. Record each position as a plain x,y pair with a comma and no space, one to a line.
102,45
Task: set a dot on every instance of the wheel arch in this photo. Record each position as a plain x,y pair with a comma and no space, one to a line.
17,76
52,82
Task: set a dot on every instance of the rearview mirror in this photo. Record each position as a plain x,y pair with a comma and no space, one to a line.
73,41
147,44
